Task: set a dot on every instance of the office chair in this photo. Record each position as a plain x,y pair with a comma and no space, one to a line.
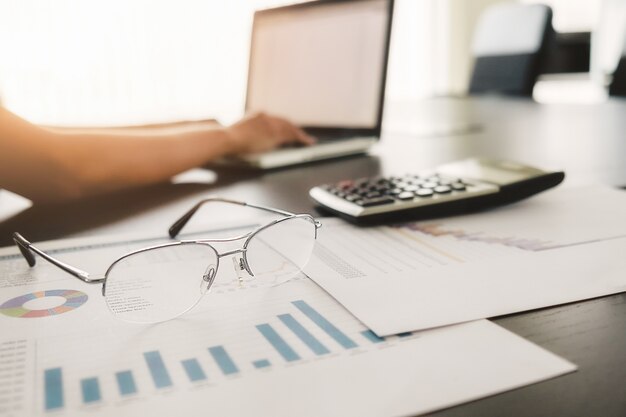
509,44
568,52
618,84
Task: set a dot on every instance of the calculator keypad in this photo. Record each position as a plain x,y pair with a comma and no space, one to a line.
369,192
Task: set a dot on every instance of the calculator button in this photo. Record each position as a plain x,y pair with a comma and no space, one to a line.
457,186
368,202
352,197
373,194
406,195
424,192
411,188
395,191
442,189
429,184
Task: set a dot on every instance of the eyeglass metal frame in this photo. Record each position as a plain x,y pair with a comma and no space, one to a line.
28,249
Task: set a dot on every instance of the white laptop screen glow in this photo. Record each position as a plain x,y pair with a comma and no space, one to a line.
320,66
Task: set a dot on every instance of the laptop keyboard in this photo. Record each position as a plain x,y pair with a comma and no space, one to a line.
320,140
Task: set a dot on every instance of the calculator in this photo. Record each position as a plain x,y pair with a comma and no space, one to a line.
454,188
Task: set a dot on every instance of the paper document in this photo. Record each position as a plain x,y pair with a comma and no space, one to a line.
562,246
246,349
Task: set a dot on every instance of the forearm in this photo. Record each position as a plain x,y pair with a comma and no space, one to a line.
97,163
47,165
126,160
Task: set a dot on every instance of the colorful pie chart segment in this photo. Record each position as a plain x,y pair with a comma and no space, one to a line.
15,306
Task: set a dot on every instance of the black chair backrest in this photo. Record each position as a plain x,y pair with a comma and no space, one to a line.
618,84
509,45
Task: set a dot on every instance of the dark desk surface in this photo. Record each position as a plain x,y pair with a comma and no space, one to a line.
587,141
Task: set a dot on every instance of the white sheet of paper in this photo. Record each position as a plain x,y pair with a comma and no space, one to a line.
85,362
563,246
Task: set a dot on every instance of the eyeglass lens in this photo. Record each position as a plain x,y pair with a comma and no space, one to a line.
162,283
278,253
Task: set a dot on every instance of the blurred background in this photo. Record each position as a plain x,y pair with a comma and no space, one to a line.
120,62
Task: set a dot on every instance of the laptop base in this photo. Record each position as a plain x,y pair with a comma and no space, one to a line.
296,156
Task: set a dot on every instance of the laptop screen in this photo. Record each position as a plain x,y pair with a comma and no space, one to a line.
321,64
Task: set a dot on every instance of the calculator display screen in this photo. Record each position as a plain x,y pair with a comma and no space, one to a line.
495,172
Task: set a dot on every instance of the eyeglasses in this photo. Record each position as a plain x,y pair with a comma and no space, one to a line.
159,283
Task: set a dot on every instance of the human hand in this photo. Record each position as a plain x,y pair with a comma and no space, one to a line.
260,132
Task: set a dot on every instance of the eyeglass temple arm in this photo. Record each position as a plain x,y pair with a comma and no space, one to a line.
180,223
28,251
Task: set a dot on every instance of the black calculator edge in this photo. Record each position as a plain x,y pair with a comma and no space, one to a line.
506,194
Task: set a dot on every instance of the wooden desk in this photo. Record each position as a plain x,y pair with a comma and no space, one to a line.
587,141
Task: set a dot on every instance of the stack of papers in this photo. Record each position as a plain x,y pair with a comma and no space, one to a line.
244,350
402,332
562,246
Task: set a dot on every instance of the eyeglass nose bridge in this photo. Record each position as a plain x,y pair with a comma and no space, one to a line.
240,262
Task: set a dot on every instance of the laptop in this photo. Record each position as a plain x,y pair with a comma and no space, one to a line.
322,65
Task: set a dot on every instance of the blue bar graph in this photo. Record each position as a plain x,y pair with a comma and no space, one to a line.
194,370
90,389
372,337
126,383
325,325
53,383
293,337
278,343
303,334
159,373
261,363
223,360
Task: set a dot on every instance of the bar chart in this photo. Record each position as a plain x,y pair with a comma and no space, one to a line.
281,351
299,334
407,247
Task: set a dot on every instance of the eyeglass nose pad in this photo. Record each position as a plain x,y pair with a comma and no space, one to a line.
241,269
208,278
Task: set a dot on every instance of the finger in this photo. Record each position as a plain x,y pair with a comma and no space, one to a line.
304,137
295,134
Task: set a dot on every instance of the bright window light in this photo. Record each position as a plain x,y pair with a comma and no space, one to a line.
119,62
